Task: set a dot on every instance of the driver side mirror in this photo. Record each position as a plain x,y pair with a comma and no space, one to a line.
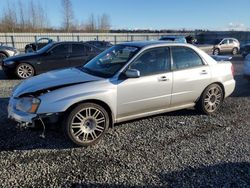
132,73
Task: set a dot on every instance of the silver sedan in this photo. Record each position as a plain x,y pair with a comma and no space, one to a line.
125,82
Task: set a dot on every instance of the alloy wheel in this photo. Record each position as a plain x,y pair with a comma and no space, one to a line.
25,71
213,99
216,52
88,125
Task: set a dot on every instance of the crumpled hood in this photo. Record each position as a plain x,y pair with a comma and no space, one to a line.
52,80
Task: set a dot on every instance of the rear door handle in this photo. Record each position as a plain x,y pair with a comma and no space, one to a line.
204,72
163,78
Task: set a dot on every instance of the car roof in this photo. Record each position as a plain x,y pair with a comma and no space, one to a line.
229,38
142,44
173,36
67,42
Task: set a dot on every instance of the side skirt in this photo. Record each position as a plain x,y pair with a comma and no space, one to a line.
146,114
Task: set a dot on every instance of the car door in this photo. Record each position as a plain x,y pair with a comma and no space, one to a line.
152,90
224,46
230,45
190,76
55,58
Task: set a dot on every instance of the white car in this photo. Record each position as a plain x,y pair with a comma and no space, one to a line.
246,69
127,81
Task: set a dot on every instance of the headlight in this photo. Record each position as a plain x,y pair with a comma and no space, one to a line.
8,62
28,104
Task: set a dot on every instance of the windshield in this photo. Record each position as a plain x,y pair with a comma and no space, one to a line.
45,48
109,62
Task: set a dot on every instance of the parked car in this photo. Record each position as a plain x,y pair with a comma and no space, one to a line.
226,45
102,45
246,69
7,51
175,38
37,45
245,50
55,55
191,39
127,81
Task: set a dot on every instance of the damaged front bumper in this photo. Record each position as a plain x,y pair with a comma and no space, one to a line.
19,116
25,118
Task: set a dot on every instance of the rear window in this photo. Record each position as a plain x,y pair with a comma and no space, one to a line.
78,48
184,58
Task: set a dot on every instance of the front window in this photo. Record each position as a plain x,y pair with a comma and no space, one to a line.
109,62
153,61
45,48
61,49
225,41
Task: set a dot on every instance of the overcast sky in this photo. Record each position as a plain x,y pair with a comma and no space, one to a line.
155,14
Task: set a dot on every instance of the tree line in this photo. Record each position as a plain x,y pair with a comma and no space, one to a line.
32,17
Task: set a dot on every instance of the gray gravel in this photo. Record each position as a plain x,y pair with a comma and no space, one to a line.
178,149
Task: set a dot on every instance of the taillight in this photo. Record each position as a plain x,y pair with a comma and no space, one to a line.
232,69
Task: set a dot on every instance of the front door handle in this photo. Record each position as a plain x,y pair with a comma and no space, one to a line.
163,78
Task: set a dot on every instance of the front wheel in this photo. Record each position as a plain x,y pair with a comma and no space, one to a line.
216,51
211,99
2,57
86,124
24,71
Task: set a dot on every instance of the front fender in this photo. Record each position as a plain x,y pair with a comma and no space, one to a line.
60,100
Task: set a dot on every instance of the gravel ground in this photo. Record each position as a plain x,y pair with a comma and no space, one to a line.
178,149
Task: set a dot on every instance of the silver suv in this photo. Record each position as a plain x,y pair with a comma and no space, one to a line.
227,45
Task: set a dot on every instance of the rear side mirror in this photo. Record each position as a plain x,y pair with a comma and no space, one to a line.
132,73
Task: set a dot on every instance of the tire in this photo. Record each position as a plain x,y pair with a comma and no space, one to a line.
211,99
86,124
216,51
24,70
235,51
2,57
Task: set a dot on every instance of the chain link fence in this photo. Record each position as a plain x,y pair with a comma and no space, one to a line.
19,40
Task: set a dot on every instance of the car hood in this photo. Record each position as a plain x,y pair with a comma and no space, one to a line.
22,57
52,80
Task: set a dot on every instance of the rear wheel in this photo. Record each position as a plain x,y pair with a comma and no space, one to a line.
211,99
235,51
24,71
86,124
